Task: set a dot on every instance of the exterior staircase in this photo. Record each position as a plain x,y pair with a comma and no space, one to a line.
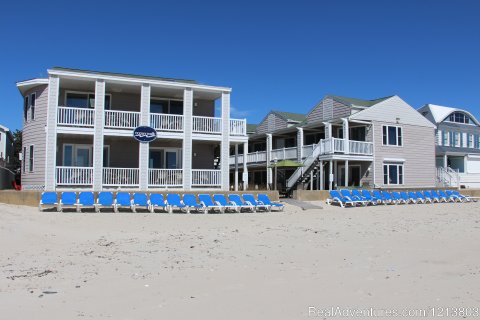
447,177
310,163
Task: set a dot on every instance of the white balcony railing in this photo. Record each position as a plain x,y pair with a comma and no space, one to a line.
78,117
338,145
122,119
360,147
207,125
284,153
206,178
166,122
165,177
74,176
120,176
238,127
308,150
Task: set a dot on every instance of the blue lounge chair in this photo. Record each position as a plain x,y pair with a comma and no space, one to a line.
49,199
369,197
266,200
398,198
446,196
407,199
123,201
347,195
336,197
454,196
259,206
387,196
191,202
140,199
208,203
175,202
227,205
377,194
68,199
157,201
436,195
422,196
105,200
235,198
464,198
357,194
415,198
428,196
85,200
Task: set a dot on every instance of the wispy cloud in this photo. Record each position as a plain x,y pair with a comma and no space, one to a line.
234,112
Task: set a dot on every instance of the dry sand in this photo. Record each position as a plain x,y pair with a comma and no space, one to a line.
236,266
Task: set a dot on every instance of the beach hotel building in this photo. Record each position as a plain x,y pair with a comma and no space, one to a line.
457,145
100,130
381,143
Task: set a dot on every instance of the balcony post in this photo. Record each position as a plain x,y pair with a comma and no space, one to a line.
299,144
328,130
245,169
346,136
225,144
330,175
99,124
187,138
322,186
346,173
144,148
236,167
269,159
51,132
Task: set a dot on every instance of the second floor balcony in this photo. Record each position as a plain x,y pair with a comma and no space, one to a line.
129,120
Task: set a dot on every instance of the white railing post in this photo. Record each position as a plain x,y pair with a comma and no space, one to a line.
144,148
225,143
187,138
98,135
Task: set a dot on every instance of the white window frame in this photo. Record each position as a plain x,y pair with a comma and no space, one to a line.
26,106
470,140
398,164
31,158
24,159
396,140
74,153
33,104
87,93
470,123
178,151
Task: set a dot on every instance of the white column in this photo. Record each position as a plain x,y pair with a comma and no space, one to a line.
322,187
311,180
346,136
445,161
225,146
299,144
144,148
439,137
236,167
330,175
269,156
187,138
328,130
245,169
51,134
346,173
98,135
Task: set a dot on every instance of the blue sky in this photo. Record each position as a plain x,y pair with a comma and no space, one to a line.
275,55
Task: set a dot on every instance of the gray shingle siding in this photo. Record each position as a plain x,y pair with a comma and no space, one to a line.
271,123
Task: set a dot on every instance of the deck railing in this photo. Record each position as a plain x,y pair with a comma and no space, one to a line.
121,119
120,176
284,153
360,147
81,117
74,176
238,127
165,177
207,125
206,178
166,122
308,150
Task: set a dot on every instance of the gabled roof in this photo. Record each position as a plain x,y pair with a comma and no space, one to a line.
357,102
290,116
251,127
440,113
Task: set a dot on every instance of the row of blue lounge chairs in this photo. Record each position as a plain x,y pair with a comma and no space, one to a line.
365,197
189,203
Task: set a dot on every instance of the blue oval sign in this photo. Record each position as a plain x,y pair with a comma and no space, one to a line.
145,134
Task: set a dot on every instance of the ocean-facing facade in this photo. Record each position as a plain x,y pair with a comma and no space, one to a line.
457,145
381,143
79,132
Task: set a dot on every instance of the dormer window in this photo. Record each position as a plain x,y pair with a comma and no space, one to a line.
460,117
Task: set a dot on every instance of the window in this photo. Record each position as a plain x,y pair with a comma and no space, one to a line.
392,136
24,159
84,100
166,106
458,139
358,133
25,108
470,140
33,98
30,159
393,173
460,117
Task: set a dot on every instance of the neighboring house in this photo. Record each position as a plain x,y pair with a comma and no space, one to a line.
6,146
381,143
79,132
6,158
457,145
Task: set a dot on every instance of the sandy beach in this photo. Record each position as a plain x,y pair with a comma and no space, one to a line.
237,266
